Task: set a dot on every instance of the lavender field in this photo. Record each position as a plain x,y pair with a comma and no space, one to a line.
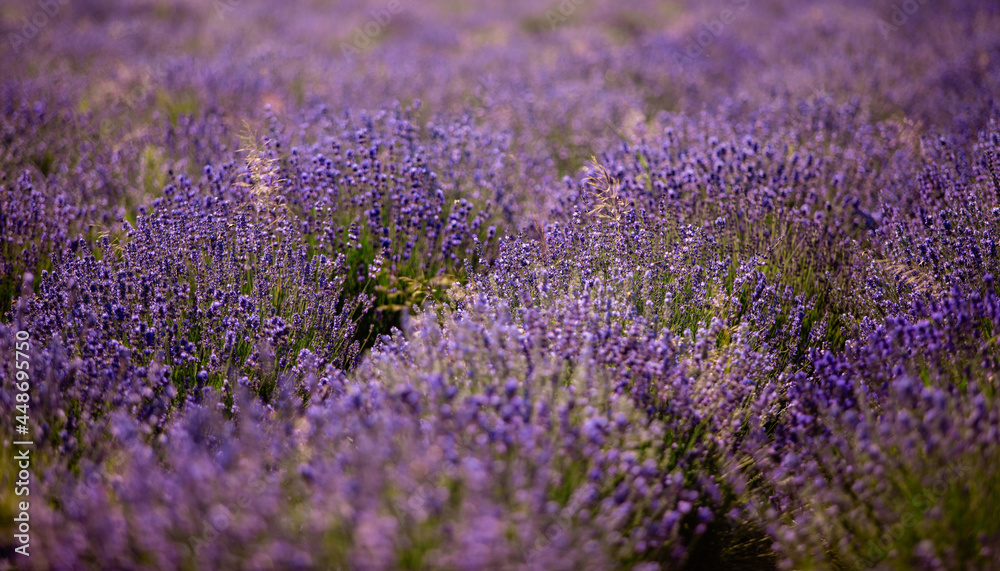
500,285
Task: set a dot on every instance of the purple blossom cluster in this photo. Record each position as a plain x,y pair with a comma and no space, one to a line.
587,285
884,456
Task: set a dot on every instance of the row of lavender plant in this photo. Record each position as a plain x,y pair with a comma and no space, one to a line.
758,330
587,313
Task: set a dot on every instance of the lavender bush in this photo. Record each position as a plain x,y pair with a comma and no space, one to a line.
581,285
